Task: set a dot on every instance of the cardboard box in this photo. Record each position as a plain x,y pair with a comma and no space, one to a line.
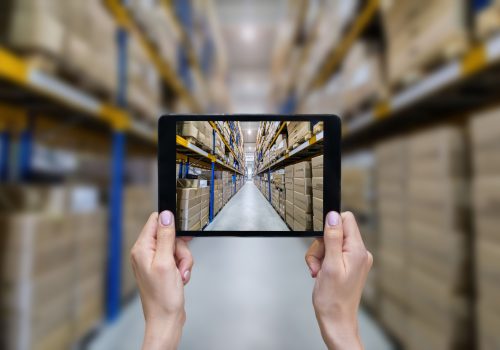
303,201
317,186
487,272
289,219
187,211
193,221
485,137
302,186
302,170
318,223
289,172
317,206
188,193
486,194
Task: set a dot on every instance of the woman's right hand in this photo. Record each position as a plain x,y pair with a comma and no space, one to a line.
340,263
162,266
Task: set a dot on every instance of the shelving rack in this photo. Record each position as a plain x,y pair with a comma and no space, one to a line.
188,155
305,151
31,95
453,82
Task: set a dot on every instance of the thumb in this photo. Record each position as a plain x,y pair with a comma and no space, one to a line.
165,236
333,239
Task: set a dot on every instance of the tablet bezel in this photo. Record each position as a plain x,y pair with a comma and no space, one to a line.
167,177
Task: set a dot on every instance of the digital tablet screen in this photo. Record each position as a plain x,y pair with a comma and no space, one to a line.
248,175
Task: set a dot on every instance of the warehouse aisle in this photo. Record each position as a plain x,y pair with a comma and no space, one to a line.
252,293
248,210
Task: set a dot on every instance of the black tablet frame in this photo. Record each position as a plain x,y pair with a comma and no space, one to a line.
167,177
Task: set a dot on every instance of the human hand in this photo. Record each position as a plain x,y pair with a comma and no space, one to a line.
340,263
162,266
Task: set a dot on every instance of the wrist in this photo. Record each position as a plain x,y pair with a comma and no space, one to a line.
163,332
341,333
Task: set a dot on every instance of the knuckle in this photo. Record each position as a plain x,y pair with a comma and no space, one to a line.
135,253
348,215
162,267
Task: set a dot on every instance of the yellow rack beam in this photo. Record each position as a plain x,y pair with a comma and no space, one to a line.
17,71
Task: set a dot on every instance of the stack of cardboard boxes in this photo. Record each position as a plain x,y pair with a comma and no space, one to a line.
138,205
218,200
188,208
53,265
391,173
289,171
302,196
227,186
298,132
317,192
90,267
205,197
485,132
357,196
439,246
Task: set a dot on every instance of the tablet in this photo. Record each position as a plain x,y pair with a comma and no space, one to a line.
249,175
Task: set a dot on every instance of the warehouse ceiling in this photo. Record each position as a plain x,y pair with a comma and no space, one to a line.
248,29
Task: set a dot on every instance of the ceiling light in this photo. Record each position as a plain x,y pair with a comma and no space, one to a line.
249,132
248,33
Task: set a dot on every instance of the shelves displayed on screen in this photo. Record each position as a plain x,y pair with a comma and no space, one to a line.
307,149
187,151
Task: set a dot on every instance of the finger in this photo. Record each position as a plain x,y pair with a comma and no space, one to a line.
333,238
314,256
370,259
352,236
165,236
148,232
184,259
186,238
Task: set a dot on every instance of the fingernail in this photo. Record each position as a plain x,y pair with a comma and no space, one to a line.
186,275
166,218
333,218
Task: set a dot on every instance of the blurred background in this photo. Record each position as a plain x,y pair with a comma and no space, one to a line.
82,84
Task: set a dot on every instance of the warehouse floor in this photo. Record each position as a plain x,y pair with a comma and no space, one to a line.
252,293
248,210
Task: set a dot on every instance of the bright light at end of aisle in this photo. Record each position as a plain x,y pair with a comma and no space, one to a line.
249,132
248,33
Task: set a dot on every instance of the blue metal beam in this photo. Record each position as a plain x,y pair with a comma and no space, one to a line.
4,155
114,263
181,169
186,169
25,154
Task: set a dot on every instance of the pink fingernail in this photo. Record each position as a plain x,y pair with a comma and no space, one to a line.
186,275
333,218
166,218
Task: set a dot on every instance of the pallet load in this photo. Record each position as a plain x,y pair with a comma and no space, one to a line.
138,205
357,196
188,208
439,244
392,255
53,265
363,76
205,202
298,132
317,192
289,173
485,135
218,201
302,196
420,35
487,19
90,267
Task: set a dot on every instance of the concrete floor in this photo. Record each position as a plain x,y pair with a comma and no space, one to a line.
245,293
248,210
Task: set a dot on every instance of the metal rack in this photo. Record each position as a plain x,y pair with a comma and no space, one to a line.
188,154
